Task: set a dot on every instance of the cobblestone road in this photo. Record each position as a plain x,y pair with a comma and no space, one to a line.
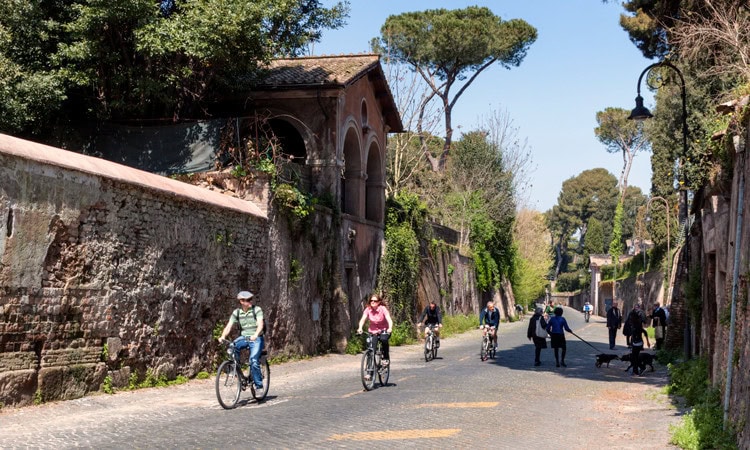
454,401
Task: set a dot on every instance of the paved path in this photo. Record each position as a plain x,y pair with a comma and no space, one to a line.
453,401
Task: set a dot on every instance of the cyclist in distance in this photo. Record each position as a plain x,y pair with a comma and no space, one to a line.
490,316
380,319
434,317
250,320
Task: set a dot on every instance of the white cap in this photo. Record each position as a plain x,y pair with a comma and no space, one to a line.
244,295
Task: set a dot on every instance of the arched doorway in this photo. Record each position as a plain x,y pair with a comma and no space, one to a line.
375,190
352,179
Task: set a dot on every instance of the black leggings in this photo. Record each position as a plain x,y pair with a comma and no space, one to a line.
635,352
384,337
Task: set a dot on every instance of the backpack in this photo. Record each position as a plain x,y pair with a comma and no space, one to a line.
255,318
539,331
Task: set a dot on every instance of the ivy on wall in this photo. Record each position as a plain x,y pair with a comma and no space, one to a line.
399,271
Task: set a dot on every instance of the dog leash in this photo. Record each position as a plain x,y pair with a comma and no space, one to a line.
582,340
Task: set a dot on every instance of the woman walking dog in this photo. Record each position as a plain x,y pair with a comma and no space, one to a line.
556,328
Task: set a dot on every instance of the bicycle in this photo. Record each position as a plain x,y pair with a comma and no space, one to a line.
372,363
431,342
488,346
232,378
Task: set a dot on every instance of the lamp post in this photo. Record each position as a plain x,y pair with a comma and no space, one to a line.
669,216
640,112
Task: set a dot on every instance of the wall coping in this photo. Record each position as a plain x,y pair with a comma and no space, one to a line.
77,162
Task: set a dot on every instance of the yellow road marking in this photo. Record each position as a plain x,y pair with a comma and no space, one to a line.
352,394
459,405
395,435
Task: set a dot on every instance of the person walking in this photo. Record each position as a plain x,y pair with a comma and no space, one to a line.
636,319
659,322
556,327
614,321
537,323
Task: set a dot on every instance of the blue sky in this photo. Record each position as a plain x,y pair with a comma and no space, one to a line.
581,63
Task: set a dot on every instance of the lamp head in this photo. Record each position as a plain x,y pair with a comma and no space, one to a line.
640,112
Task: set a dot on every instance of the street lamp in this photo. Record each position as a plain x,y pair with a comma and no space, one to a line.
640,112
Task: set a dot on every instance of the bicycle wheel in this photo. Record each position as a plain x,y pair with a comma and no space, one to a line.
265,377
383,372
228,385
483,351
491,348
428,346
368,370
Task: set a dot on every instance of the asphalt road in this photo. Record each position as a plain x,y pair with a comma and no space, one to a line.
454,401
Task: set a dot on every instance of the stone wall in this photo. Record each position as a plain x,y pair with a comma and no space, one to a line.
106,270
448,278
715,236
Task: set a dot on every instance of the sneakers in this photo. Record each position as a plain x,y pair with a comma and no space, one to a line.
368,377
557,364
259,388
563,364
537,363
385,363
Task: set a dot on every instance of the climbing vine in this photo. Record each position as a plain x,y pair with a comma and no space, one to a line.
399,270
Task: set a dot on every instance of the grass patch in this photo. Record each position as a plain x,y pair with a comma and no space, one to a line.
203,375
458,324
279,359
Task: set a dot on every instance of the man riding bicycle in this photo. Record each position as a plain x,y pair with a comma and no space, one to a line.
587,308
250,319
433,317
490,317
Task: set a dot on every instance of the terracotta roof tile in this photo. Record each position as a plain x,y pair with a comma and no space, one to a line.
310,70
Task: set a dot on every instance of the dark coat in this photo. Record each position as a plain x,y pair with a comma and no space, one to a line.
661,316
614,318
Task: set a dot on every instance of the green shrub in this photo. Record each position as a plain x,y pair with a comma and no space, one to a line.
203,375
107,385
402,334
689,380
666,357
701,428
568,282
355,344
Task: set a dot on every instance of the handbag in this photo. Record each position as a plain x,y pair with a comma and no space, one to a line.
539,331
658,329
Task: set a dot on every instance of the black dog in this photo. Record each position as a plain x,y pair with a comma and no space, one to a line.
644,359
604,358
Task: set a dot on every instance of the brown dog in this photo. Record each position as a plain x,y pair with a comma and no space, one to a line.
604,358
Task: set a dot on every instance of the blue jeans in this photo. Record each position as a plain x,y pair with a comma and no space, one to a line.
255,347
